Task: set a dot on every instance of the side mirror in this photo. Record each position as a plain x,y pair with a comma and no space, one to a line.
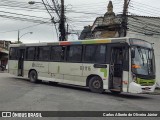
132,52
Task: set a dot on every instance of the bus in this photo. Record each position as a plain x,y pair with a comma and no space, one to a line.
114,64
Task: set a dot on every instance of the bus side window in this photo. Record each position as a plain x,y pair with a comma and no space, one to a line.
13,54
74,53
30,53
43,53
89,53
57,53
100,55
95,53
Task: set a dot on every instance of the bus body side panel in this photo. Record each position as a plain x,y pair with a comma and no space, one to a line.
67,73
72,73
54,71
88,69
40,67
13,67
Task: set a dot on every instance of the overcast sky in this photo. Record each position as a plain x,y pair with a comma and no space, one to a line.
79,13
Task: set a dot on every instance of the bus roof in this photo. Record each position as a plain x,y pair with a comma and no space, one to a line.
76,42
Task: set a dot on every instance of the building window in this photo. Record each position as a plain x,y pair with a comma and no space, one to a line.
57,53
13,54
74,53
31,53
95,53
43,53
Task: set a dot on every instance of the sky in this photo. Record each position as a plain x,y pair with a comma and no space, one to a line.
79,13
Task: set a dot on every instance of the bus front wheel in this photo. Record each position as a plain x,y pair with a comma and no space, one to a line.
96,84
33,76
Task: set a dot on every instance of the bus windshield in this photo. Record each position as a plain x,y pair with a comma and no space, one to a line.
143,62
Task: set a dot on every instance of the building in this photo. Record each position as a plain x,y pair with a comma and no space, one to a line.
107,26
86,33
143,27
4,46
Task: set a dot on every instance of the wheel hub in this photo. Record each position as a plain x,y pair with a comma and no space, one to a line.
96,84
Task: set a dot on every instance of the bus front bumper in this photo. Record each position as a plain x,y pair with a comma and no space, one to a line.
137,88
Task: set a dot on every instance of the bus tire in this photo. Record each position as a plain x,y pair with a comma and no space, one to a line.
96,84
33,76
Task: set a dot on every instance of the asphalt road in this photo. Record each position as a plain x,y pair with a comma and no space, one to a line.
18,94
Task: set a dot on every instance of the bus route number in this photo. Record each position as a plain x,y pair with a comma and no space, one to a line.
86,68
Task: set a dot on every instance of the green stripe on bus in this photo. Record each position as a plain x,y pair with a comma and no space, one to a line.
145,82
89,42
104,70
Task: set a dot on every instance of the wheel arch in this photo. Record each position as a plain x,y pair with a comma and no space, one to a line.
89,77
31,70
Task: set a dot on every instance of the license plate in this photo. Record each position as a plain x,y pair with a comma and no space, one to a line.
147,88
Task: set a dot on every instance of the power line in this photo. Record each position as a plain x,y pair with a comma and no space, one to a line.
22,15
144,5
144,22
47,9
143,8
145,11
22,9
23,19
22,28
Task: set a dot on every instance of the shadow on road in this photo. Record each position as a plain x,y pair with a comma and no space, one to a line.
129,95
86,89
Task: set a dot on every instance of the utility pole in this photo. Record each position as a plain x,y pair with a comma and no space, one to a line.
62,23
61,16
67,33
123,31
18,37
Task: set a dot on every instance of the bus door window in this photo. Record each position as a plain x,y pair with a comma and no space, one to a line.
21,53
116,65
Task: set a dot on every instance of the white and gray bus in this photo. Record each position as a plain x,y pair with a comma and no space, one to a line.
116,64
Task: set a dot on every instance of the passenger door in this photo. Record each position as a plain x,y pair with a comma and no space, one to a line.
118,71
21,54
